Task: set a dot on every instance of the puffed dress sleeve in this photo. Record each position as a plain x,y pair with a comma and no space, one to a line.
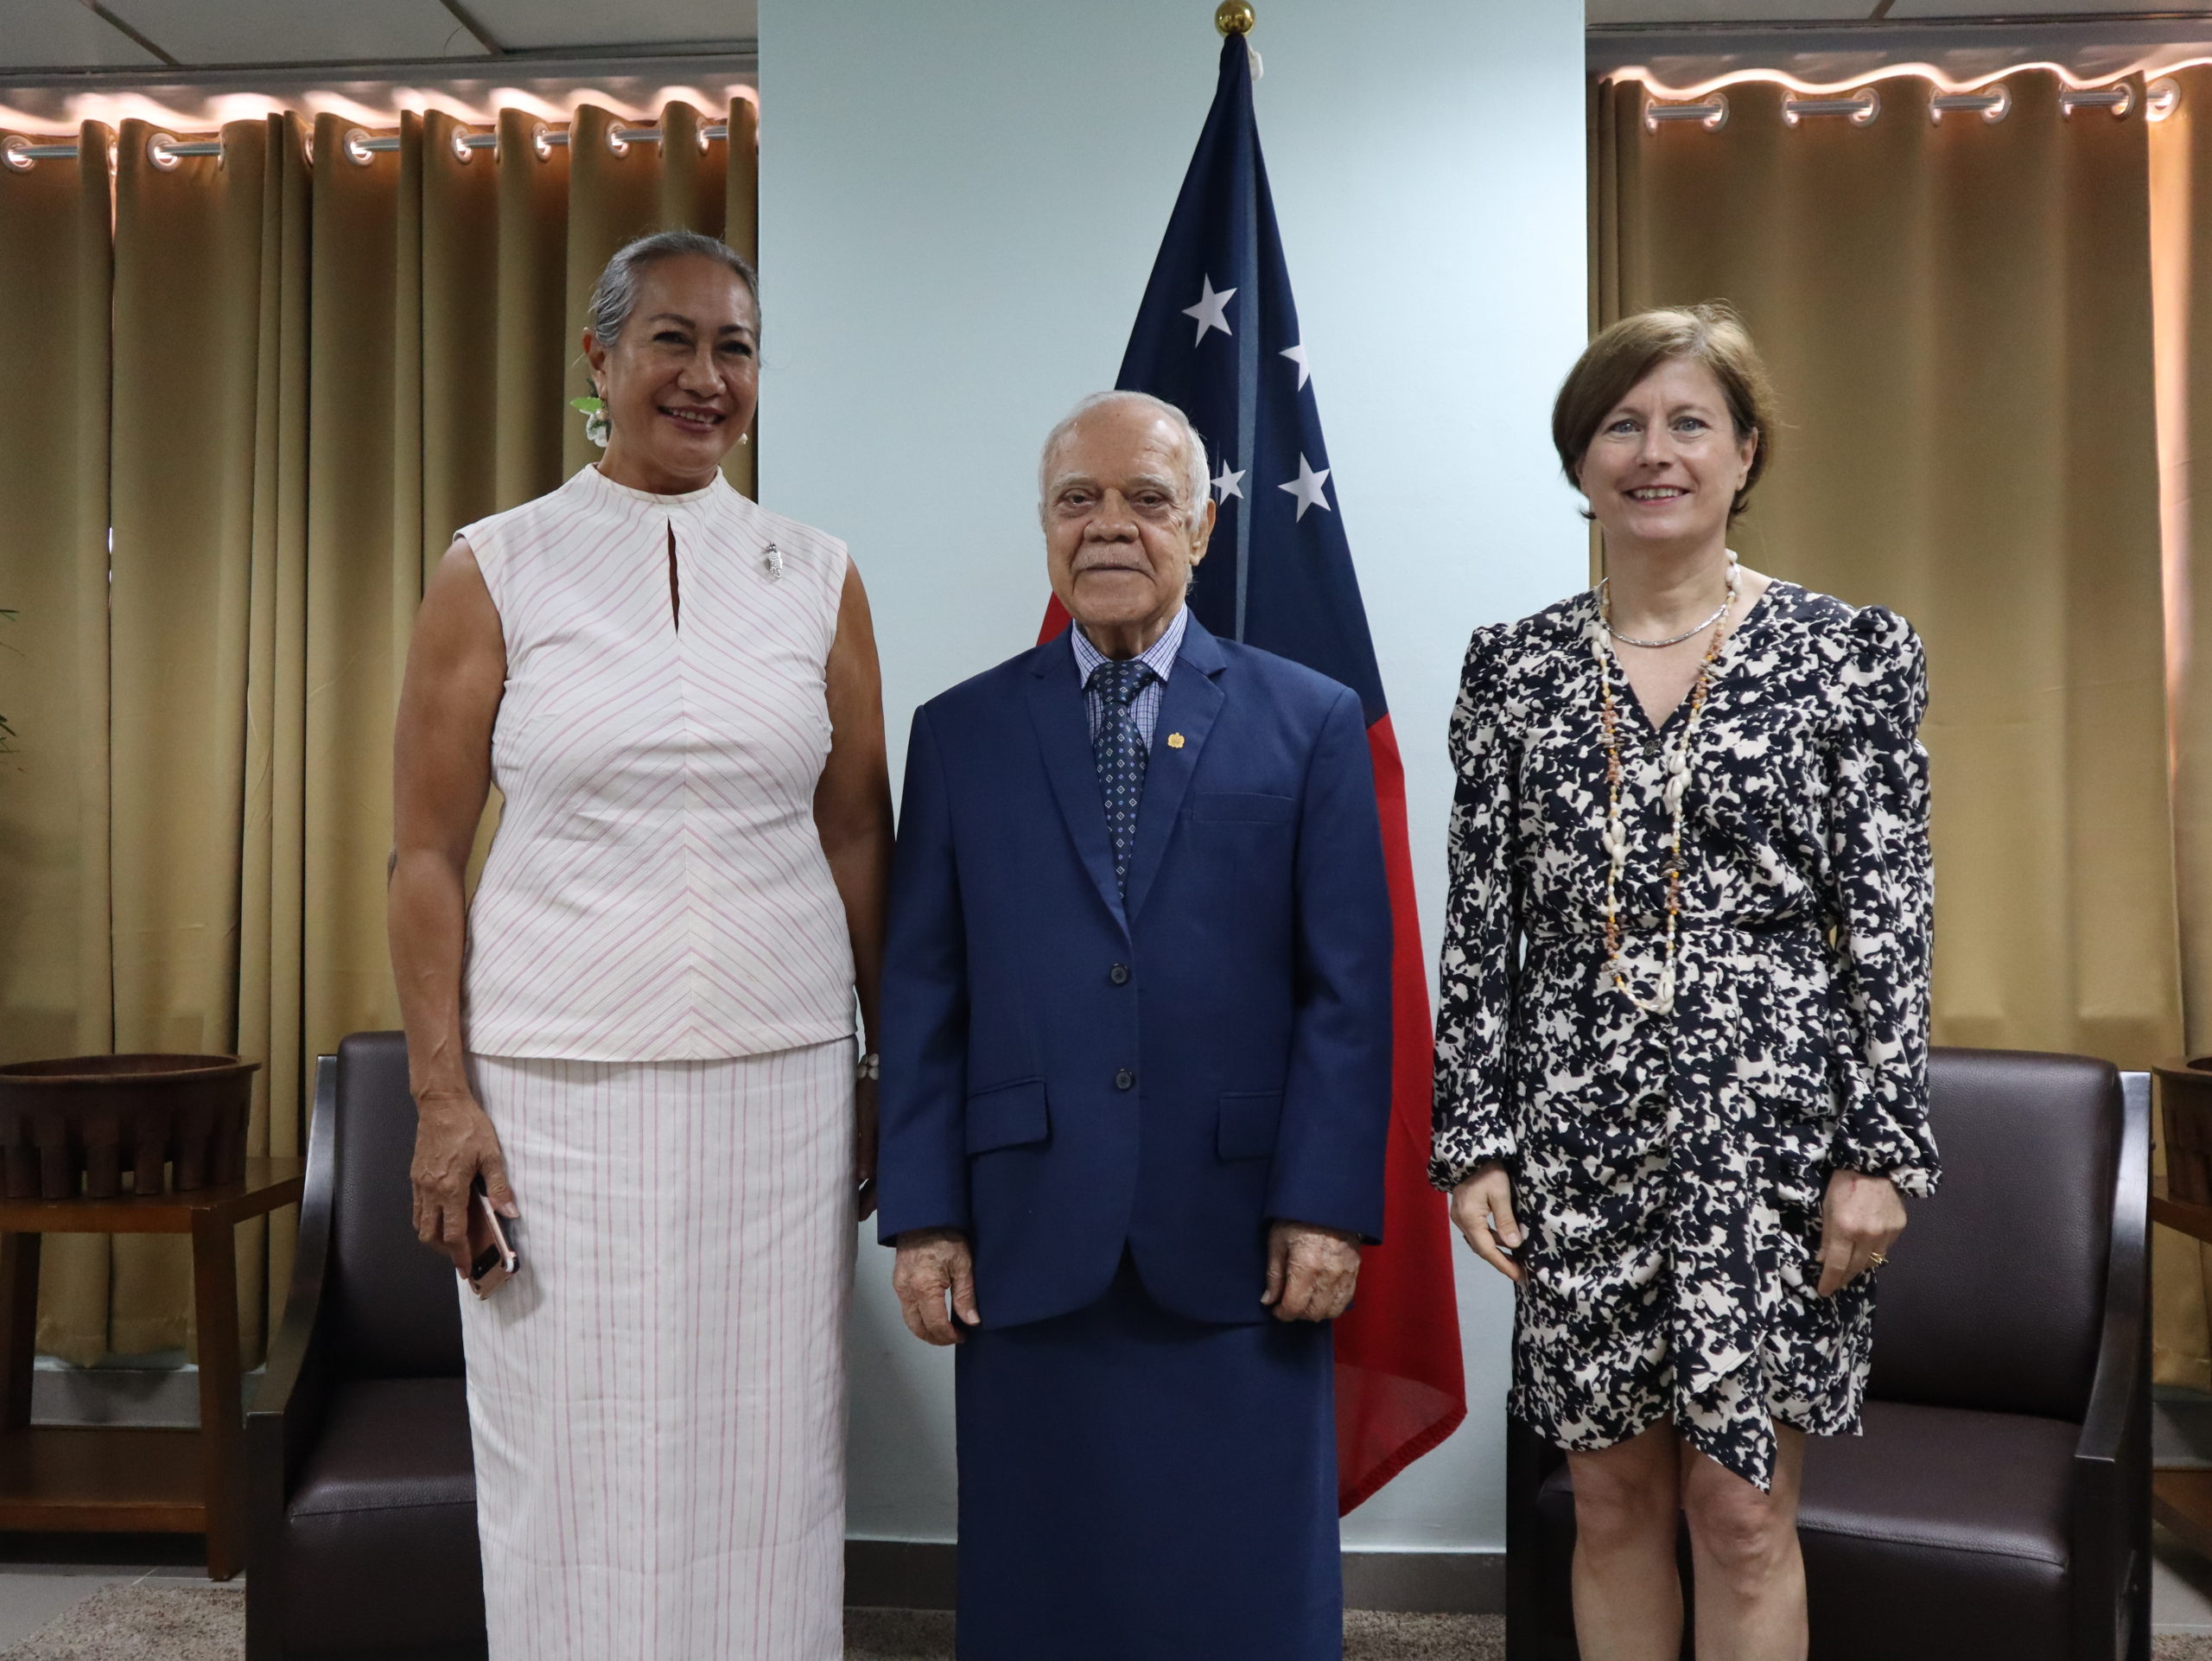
1881,895
1473,1102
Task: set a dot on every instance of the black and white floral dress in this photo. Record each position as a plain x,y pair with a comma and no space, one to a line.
1670,1169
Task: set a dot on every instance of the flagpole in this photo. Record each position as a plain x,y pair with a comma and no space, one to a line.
1237,18
1247,359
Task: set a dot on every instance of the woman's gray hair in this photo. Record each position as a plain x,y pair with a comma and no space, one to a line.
615,295
1195,487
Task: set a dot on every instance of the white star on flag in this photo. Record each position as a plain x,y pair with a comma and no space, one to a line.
1227,483
1307,488
1297,355
1212,310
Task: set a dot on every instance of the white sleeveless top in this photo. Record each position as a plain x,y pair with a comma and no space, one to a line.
657,890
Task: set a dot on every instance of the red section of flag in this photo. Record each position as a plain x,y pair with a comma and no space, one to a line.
1400,1387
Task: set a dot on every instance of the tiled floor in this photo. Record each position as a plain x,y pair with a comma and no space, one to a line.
50,1578
34,1592
2181,1587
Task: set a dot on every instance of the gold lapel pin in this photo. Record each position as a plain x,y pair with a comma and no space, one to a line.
1174,741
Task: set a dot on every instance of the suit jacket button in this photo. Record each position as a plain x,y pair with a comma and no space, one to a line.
1119,974
1124,1080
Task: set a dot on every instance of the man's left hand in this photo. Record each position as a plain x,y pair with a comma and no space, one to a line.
1310,1271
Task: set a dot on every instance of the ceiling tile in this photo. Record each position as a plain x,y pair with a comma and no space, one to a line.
1919,9
524,25
1728,11
298,31
64,35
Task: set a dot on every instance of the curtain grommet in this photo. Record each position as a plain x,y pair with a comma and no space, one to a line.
2119,97
356,146
1859,108
2161,98
463,151
541,141
617,142
161,150
1710,112
1992,104
11,154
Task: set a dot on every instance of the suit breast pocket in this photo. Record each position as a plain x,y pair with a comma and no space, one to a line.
1007,1115
1236,807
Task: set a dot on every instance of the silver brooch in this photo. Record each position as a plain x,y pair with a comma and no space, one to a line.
772,562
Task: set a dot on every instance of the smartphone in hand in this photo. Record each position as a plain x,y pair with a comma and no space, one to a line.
492,1255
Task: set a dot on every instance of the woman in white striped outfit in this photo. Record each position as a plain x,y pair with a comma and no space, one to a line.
640,1034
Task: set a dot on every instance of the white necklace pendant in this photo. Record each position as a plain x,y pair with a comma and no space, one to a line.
1662,1001
772,562
1616,837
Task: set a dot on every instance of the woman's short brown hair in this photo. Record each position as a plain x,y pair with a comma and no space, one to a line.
1709,333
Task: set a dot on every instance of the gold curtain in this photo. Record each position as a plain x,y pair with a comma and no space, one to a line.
1958,316
2181,188
56,267
325,361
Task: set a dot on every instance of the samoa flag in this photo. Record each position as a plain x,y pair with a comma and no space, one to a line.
1217,336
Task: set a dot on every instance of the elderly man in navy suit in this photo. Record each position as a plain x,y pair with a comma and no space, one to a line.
1136,1067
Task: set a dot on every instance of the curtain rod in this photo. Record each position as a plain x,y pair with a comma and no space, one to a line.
1861,108
20,154
741,56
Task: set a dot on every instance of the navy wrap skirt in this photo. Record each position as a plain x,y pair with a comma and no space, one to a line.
1138,1487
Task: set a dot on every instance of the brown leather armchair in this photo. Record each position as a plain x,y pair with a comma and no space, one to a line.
360,1488
1999,1504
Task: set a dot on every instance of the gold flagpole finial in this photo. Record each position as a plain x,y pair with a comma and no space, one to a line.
1234,17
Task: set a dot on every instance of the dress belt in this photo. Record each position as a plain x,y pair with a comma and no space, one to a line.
1793,924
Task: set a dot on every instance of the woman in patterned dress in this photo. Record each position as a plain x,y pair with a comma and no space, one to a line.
1682,1043
638,1031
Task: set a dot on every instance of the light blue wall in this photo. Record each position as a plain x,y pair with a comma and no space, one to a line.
959,204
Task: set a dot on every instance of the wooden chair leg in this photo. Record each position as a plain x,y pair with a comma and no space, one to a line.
215,1305
19,1259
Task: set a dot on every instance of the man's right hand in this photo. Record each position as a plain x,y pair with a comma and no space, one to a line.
455,1143
934,1264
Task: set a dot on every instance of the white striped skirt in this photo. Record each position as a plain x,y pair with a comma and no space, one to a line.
658,1399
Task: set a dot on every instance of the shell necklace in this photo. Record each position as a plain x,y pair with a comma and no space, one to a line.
1662,1001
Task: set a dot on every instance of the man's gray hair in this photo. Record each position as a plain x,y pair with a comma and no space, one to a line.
1195,487
615,295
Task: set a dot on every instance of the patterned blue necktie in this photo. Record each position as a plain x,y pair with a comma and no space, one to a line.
1119,747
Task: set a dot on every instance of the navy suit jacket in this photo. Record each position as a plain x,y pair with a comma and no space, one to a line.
1066,1075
